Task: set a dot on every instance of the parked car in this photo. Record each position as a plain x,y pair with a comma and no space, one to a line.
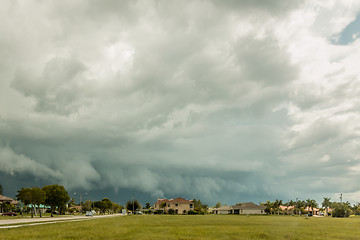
89,214
10,214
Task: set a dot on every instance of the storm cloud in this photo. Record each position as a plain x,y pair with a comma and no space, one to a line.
219,100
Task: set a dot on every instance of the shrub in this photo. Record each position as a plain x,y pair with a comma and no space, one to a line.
171,211
340,210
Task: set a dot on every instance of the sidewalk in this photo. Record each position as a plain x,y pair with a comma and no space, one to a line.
4,223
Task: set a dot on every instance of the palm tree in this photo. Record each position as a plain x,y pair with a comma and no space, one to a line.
308,204
326,204
277,205
163,206
269,206
299,205
313,204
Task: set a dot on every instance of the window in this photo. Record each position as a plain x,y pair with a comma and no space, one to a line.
191,206
168,205
176,205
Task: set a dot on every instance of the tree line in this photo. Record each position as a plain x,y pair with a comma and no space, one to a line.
57,198
298,207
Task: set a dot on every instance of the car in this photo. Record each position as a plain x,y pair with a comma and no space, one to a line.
9,214
89,214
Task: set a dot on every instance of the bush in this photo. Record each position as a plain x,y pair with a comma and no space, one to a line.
191,212
158,212
171,211
340,210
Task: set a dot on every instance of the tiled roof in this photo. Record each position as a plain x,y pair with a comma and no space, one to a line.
180,200
311,209
176,200
248,206
4,198
287,207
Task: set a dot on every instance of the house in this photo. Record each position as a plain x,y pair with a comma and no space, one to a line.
312,211
247,208
222,210
179,205
287,209
6,200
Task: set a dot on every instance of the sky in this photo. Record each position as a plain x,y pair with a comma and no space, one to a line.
224,101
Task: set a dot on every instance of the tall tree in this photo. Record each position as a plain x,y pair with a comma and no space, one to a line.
56,196
313,204
133,205
24,195
299,205
277,205
34,196
269,207
87,205
38,197
1,190
326,204
218,204
199,207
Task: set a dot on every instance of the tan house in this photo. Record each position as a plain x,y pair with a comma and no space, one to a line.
179,205
287,209
248,208
312,211
4,200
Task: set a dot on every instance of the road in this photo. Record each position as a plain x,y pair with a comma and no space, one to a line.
20,222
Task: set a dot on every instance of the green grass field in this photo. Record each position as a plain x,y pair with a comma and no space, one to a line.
193,227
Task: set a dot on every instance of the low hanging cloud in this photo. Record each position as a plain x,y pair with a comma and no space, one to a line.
220,100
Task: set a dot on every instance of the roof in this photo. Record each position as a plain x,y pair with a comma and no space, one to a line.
311,209
180,200
176,200
248,206
5,199
222,208
287,207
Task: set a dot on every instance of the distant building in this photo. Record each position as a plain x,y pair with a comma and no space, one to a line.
6,200
287,209
248,208
243,208
222,210
312,211
179,205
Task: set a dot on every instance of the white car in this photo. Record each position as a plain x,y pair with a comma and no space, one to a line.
89,214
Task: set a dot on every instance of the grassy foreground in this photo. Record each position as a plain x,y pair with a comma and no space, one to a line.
193,227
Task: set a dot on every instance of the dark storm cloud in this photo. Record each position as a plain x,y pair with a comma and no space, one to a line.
198,99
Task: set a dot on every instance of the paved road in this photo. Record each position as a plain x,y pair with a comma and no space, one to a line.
5,223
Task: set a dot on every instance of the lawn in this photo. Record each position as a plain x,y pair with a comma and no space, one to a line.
193,227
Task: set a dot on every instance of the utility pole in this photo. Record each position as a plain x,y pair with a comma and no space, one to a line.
341,197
